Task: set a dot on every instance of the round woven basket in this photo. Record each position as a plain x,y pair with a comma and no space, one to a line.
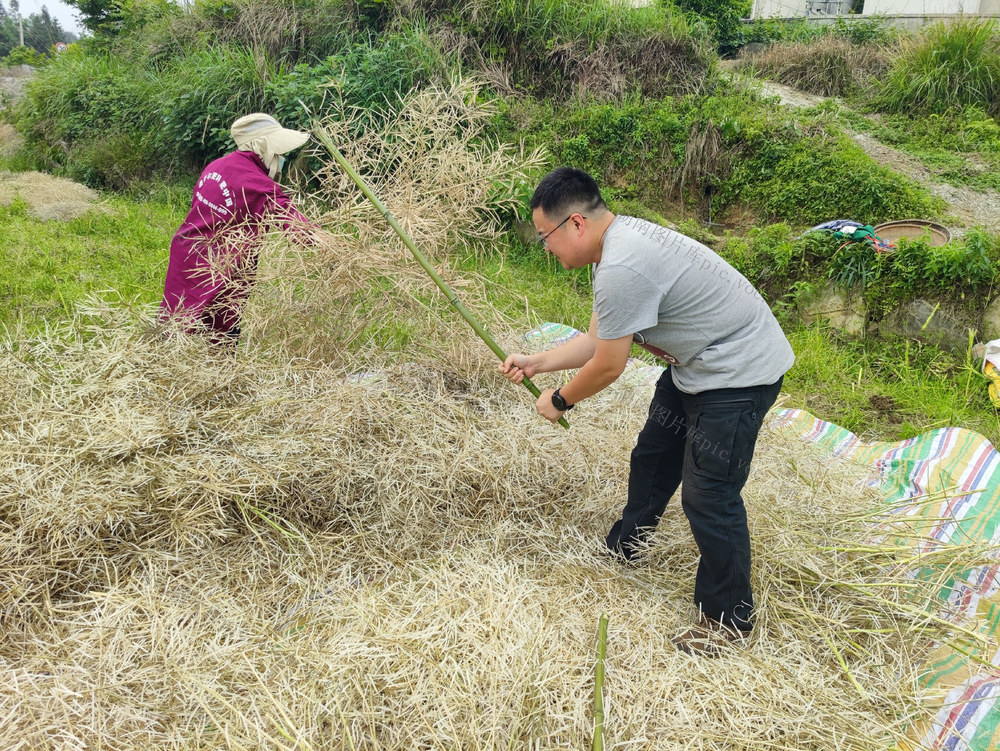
913,229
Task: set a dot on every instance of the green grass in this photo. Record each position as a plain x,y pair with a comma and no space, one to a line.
530,286
961,147
945,67
50,266
888,389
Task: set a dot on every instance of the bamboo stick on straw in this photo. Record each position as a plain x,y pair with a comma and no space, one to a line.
325,139
602,645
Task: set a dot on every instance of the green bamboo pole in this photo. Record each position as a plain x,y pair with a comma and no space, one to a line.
602,646
325,139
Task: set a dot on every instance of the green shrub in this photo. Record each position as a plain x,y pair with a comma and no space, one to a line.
958,264
916,268
822,177
24,55
953,272
620,143
724,19
202,94
858,30
769,31
945,67
81,112
113,160
79,96
772,258
856,265
633,150
865,30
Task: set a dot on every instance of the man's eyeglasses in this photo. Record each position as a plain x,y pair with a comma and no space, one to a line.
544,239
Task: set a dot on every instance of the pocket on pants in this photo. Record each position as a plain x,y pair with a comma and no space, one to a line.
722,439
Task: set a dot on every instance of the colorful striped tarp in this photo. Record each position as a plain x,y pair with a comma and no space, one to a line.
951,477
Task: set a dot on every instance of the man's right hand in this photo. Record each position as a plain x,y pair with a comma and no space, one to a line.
517,367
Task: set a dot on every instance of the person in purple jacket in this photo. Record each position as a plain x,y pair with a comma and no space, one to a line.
213,255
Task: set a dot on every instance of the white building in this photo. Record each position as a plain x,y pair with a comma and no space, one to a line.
890,8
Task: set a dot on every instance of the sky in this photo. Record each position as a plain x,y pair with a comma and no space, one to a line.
59,10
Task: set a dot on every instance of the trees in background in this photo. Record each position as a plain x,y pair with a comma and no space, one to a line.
41,30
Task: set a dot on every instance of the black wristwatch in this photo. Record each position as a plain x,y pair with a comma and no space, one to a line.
559,403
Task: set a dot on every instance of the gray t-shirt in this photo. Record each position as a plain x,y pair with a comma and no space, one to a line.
685,304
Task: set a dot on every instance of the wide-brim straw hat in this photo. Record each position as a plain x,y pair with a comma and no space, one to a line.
258,125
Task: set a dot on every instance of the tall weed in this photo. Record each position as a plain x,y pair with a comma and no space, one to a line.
945,67
79,96
828,66
574,47
285,32
202,94
857,30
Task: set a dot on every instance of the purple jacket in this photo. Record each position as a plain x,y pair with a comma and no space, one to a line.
213,255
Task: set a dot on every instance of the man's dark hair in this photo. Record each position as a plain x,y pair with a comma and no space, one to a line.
567,189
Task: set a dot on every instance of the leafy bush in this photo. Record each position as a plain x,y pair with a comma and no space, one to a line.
856,264
23,55
865,30
916,268
724,19
945,67
963,262
181,111
618,144
772,258
822,177
79,96
775,262
200,98
113,160
857,30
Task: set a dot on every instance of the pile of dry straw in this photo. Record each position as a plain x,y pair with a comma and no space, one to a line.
47,197
270,551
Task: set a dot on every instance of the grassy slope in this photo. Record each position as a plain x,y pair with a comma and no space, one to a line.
878,390
50,266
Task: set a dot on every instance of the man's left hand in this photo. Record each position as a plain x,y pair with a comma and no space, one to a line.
546,408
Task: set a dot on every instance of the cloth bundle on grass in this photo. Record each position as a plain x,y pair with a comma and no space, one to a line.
850,231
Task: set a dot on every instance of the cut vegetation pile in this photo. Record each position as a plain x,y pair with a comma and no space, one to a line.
201,551
47,197
450,188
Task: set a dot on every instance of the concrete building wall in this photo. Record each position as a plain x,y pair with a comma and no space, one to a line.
908,13
778,9
919,7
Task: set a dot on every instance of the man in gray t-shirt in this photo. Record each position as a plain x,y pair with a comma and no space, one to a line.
727,356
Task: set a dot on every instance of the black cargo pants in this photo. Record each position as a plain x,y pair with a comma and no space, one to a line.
707,442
